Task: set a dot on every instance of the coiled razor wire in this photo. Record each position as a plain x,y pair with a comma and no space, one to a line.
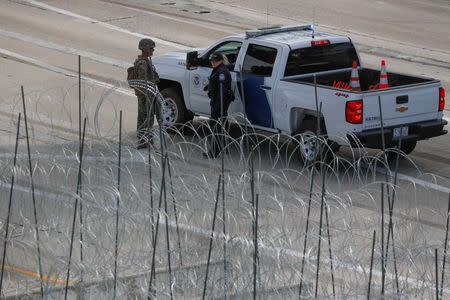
352,202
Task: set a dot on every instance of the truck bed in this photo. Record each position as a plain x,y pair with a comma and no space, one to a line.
367,78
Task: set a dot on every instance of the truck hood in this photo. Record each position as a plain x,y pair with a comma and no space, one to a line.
176,58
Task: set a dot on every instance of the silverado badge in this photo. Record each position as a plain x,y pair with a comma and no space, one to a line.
401,108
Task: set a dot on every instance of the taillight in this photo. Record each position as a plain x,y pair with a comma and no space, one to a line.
321,42
354,111
441,99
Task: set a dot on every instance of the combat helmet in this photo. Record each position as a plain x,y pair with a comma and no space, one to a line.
146,44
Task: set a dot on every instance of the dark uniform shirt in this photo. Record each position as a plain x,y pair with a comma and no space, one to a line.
214,91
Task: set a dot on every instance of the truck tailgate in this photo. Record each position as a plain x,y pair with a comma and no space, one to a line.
401,105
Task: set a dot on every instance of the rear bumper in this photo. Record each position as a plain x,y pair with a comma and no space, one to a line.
417,132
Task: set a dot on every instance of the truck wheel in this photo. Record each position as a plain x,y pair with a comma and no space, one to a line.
308,149
408,146
174,107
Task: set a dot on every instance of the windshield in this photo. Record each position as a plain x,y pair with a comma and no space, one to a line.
320,58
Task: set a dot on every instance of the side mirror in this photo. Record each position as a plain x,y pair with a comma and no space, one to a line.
192,59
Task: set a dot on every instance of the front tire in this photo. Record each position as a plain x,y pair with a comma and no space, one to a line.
174,107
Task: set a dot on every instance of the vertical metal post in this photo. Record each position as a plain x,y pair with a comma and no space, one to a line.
79,99
436,273
211,237
383,262
155,241
445,246
33,195
117,207
78,192
151,191
306,233
166,216
391,211
222,150
175,212
255,244
329,250
371,263
241,75
320,233
9,205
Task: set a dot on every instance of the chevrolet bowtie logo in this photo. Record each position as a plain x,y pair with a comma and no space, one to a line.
401,108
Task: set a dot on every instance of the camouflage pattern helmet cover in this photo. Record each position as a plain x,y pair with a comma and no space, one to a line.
146,44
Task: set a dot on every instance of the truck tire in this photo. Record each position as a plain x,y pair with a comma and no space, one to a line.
408,146
308,150
174,106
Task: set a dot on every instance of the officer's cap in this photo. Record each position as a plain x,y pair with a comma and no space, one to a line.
216,56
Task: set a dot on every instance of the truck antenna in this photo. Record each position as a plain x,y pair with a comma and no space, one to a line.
314,22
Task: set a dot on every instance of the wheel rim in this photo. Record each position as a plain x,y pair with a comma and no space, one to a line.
171,109
308,146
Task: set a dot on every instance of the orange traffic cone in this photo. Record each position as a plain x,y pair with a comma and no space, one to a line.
383,76
354,78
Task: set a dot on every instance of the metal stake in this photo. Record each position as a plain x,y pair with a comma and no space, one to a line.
117,207
33,195
155,241
306,233
9,204
371,263
75,210
175,212
445,246
211,237
255,243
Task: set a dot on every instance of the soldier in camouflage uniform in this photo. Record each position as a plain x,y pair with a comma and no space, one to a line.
146,101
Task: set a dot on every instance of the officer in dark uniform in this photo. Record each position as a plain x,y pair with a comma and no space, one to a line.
146,101
220,75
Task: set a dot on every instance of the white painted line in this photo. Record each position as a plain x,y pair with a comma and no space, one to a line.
106,25
178,20
64,49
417,181
136,158
245,242
118,88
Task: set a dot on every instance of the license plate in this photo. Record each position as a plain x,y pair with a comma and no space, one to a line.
401,131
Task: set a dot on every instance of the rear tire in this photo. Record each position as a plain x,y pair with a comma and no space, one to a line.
408,146
308,150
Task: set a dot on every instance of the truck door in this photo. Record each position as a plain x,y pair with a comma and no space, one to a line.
259,78
199,77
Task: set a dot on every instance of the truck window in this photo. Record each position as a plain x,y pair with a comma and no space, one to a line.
228,50
259,60
320,58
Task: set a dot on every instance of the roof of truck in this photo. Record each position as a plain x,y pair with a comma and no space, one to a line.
294,38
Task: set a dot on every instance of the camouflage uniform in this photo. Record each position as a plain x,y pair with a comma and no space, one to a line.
146,101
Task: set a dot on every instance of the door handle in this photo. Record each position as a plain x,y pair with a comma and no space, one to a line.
265,87
402,99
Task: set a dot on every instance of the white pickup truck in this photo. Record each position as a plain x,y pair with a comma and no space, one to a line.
273,79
